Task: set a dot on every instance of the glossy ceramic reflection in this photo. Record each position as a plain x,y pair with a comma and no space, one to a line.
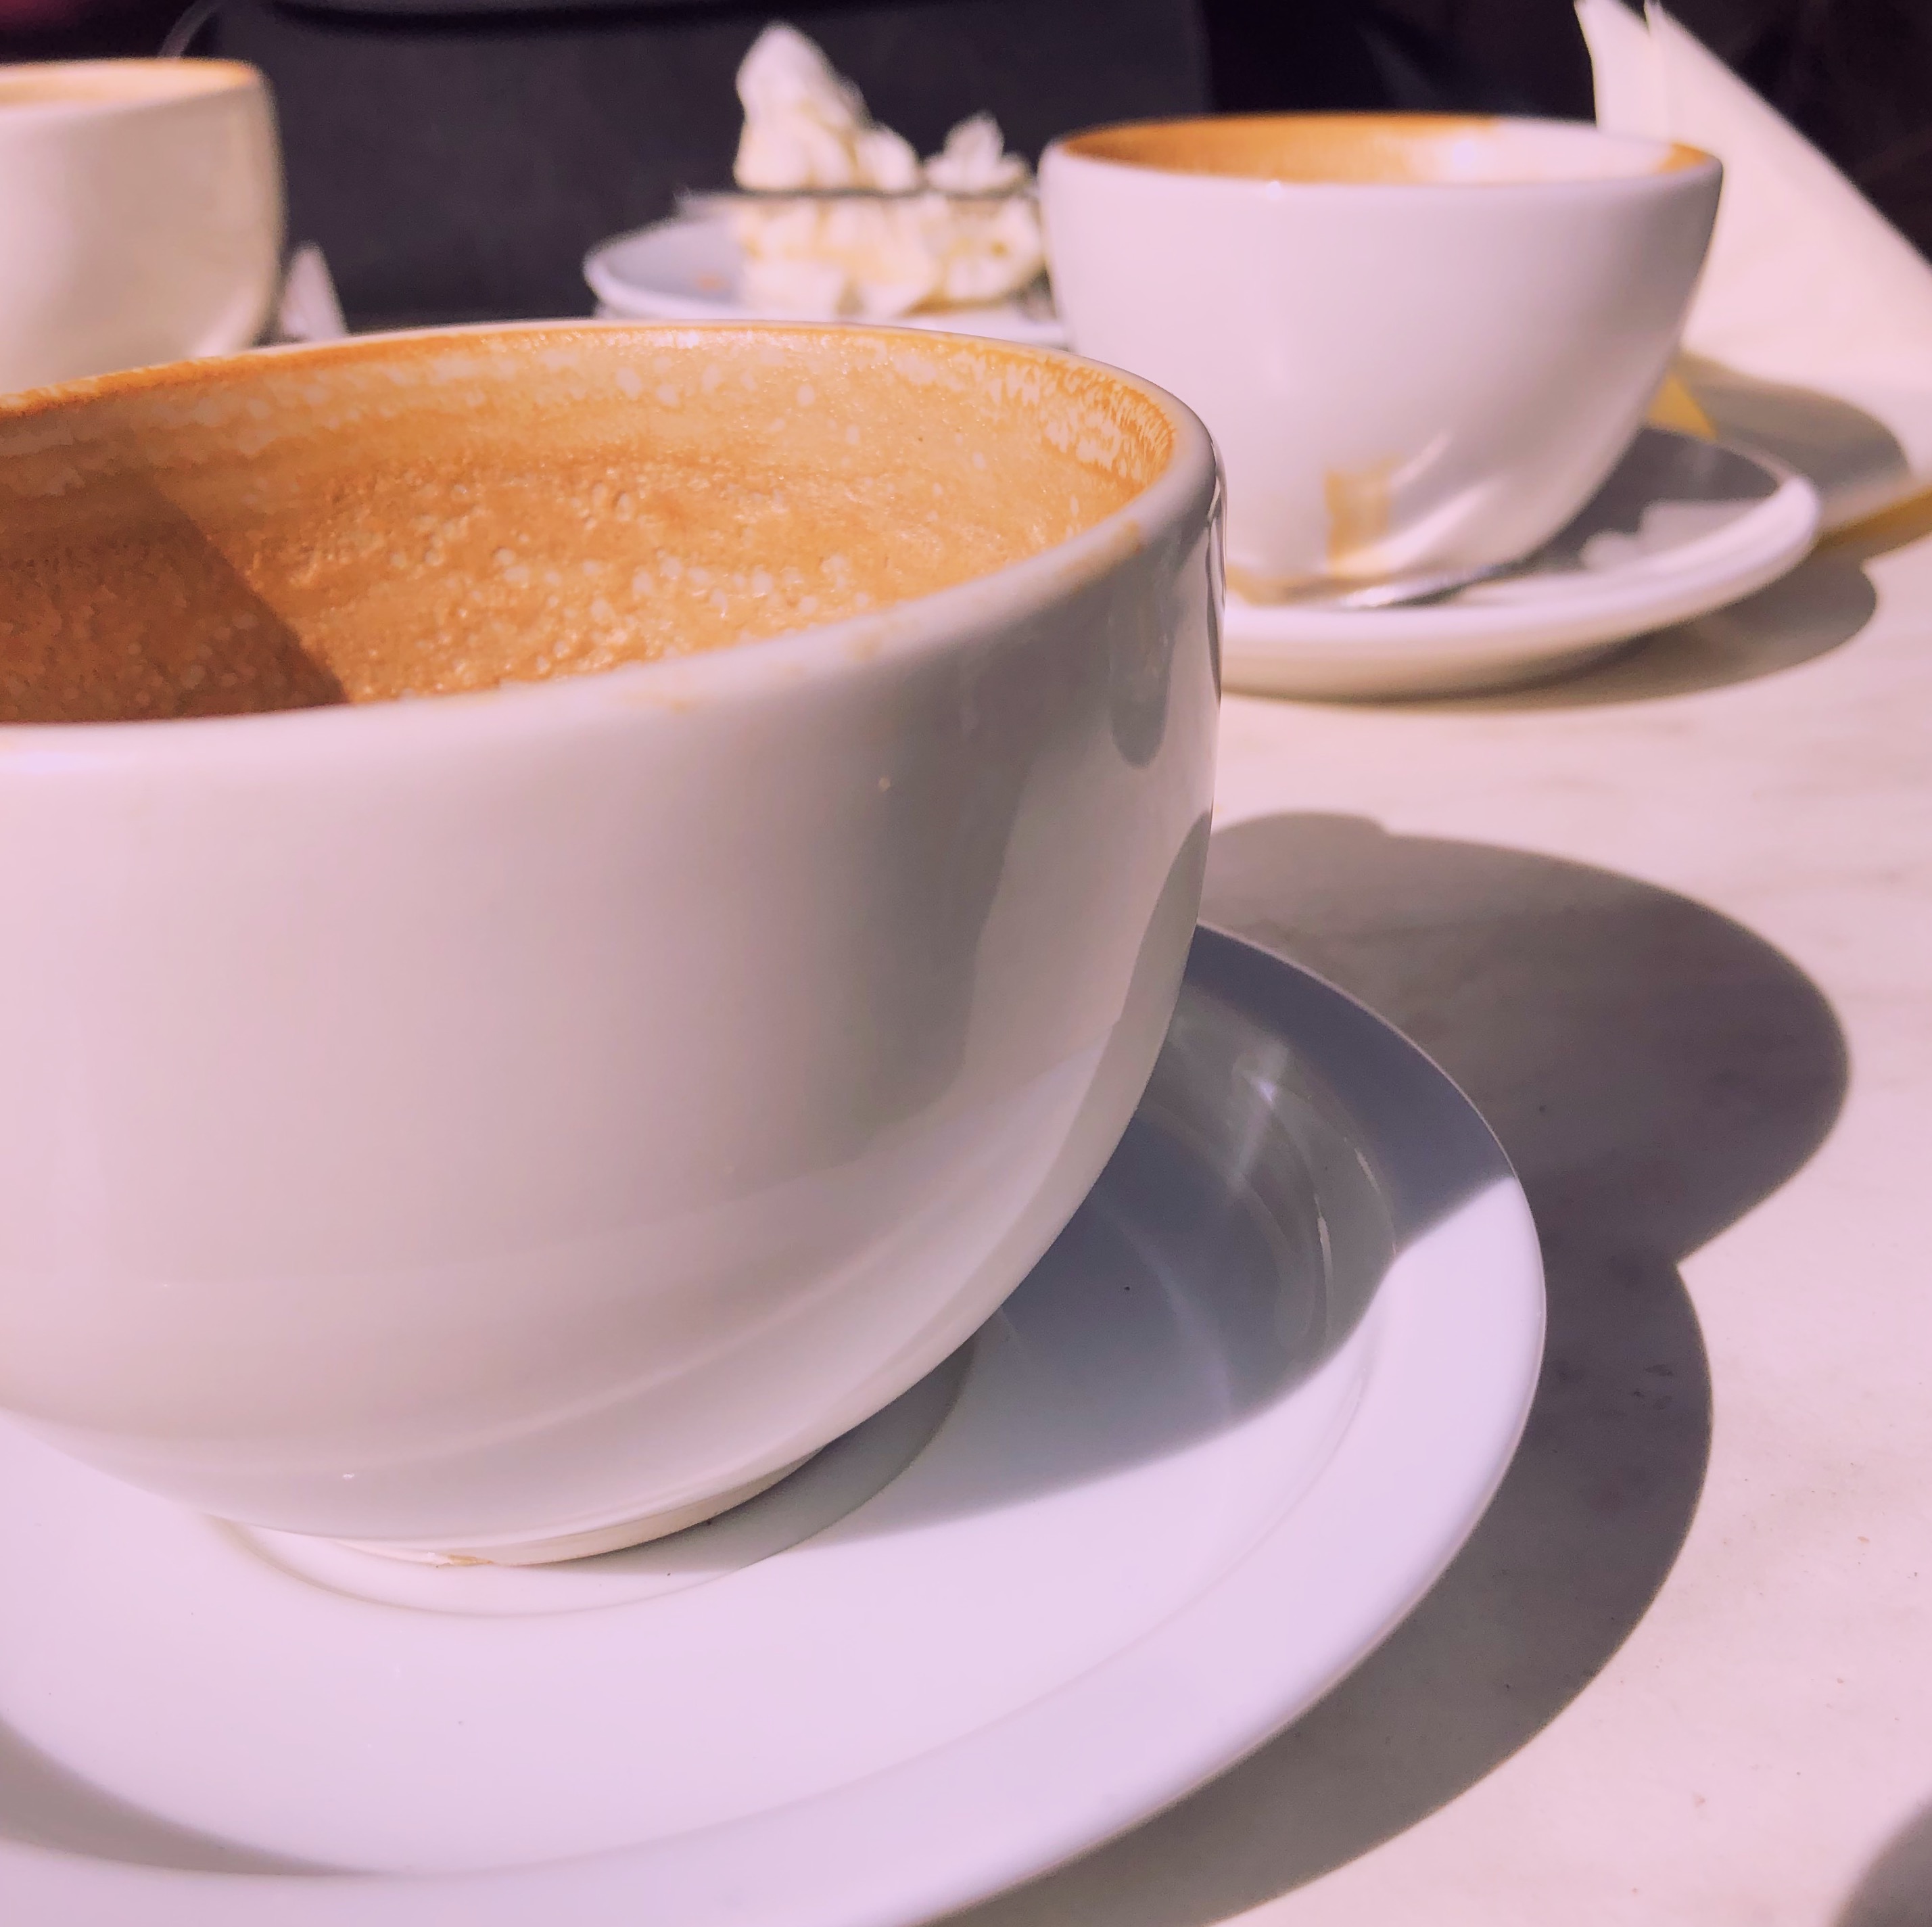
516,1123
1418,343
140,215
1223,1438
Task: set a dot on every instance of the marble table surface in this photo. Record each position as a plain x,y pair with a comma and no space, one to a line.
1669,923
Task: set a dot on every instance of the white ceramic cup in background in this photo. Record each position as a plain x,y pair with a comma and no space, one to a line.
1419,342
517,1123
140,215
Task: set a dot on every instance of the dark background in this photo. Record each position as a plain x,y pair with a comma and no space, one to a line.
456,157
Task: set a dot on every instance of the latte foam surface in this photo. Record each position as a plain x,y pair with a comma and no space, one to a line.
437,514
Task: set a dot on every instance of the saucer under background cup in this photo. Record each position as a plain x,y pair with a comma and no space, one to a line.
1219,1443
1682,527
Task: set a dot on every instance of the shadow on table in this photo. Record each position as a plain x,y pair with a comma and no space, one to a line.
1896,1889
1653,1071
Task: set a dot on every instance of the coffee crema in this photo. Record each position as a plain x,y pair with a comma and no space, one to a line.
452,512
116,84
1373,150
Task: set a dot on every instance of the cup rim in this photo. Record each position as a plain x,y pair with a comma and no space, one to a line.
855,645
171,83
1680,162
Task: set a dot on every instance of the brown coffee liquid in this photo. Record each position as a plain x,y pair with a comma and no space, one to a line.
116,83
381,519
1365,150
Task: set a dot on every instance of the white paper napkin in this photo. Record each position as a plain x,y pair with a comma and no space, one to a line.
307,309
1811,334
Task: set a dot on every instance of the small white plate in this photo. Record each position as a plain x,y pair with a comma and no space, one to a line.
1682,527
1214,1449
688,271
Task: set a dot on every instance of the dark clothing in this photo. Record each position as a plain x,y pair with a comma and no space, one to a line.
456,157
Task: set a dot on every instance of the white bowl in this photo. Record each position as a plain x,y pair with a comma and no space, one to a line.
140,214
1419,341
513,1124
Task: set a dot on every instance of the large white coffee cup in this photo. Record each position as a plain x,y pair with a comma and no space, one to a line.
516,1123
140,215
1419,342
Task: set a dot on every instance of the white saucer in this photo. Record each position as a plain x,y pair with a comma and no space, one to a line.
688,271
1681,527
1214,1449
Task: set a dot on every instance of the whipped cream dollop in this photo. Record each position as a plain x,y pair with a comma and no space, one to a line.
805,126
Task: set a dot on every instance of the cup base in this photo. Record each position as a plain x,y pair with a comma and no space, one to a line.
634,1532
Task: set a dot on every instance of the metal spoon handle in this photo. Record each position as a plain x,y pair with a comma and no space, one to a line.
1395,592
